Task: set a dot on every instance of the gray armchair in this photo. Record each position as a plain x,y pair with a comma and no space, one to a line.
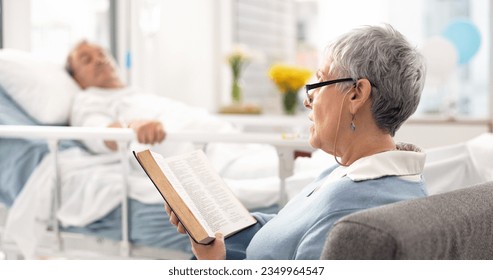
453,225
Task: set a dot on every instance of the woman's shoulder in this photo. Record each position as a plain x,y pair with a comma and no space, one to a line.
349,194
326,173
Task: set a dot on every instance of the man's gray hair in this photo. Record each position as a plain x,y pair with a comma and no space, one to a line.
395,69
68,61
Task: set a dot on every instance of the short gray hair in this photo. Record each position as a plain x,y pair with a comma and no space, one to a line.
395,69
68,61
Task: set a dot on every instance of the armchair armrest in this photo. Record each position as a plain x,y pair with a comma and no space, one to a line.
452,225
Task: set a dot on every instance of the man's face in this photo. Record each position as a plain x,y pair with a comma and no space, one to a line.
93,67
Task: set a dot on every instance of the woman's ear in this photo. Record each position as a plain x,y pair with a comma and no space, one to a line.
359,96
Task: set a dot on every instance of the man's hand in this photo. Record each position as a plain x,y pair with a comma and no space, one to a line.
148,132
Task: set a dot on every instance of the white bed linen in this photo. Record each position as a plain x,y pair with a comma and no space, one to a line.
99,107
459,166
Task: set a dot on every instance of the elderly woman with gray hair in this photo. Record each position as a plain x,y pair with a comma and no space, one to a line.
369,83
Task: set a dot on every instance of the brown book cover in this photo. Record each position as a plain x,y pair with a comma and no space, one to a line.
196,194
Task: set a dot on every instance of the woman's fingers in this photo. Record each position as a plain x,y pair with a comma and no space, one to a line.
181,229
215,251
167,209
173,219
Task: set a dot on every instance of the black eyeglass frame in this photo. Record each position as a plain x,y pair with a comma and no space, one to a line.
309,87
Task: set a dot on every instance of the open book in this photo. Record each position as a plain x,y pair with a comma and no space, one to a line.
196,194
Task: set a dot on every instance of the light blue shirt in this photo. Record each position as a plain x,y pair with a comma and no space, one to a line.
300,229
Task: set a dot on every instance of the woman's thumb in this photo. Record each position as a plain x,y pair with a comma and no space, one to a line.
219,236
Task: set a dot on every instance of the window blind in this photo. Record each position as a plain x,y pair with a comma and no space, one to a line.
268,28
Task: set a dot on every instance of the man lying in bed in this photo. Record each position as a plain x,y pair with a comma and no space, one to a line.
105,101
95,72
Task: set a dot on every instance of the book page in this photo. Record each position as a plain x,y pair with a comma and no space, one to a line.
212,200
179,188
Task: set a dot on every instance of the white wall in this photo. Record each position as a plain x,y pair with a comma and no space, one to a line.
338,17
183,59
17,24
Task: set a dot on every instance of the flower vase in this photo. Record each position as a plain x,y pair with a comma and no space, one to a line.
236,92
290,102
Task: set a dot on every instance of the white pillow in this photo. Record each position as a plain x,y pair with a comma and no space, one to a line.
43,89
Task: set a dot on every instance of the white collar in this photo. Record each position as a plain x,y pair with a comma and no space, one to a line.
406,160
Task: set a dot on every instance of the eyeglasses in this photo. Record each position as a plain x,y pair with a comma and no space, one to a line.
322,84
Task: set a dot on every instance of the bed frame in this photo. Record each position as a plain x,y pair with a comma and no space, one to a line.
71,245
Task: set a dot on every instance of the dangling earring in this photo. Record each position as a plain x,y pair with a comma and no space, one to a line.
353,126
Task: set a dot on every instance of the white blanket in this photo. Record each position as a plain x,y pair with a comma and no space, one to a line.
459,166
99,107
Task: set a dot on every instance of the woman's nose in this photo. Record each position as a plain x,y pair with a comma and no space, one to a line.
307,104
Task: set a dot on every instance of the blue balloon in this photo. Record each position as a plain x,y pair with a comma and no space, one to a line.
466,38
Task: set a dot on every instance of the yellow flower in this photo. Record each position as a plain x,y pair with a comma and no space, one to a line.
289,78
